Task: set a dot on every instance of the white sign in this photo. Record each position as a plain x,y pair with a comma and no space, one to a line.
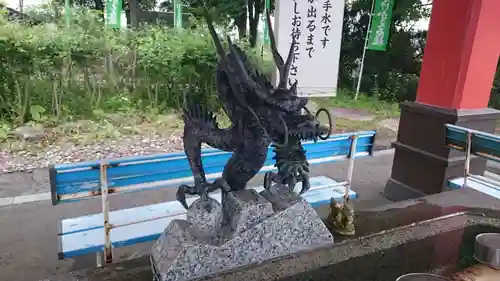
316,26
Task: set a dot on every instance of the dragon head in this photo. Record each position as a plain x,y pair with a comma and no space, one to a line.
283,111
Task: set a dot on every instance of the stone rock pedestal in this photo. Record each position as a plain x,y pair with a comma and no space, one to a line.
247,228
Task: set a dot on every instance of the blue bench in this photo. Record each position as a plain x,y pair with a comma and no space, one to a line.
479,144
100,233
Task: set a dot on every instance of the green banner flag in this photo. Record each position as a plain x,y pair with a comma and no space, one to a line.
67,9
380,25
266,28
177,13
114,13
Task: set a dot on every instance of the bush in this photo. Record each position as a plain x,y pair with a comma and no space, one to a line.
495,90
53,73
399,87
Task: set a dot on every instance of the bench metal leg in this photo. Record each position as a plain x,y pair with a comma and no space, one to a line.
341,216
108,251
350,170
468,142
99,259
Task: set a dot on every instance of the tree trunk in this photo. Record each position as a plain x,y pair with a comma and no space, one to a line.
241,24
134,10
127,16
99,6
255,9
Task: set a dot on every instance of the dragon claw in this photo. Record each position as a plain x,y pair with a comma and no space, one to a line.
291,185
201,189
267,181
302,191
222,184
305,185
206,205
181,195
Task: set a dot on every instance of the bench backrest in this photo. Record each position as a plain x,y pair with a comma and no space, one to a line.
481,144
74,182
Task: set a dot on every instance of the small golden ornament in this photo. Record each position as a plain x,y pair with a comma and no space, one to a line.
341,218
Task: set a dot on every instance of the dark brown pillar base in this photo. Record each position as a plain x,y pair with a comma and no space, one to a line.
422,164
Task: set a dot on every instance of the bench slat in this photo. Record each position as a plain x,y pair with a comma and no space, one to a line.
129,159
70,189
482,144
89,241
480,183
178,168
121,217
174,183
122,184
128,167
138,172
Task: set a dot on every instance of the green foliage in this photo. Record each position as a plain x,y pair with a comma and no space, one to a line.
51,73
495,90
398,87
391,75
242,14
222,11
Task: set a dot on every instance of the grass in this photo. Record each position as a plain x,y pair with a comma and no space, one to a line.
344,99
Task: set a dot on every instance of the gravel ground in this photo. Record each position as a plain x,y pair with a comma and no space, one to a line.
129,146
23,161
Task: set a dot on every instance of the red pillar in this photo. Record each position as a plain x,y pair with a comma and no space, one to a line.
459,64
461,54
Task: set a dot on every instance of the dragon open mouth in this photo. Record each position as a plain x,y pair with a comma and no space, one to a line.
311,135
307,127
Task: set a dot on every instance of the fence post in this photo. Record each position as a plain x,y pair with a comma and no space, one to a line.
350,170
108,251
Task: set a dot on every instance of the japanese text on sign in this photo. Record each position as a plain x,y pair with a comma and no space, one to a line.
316,27
381,22
326,20
113,13
311,27
296,32
380,31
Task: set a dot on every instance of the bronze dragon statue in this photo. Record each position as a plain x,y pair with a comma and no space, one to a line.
260,115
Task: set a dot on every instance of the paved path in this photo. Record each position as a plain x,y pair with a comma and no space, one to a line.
28,242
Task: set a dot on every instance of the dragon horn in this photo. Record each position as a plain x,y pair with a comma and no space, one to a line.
225,60
293,88
228,64
185,101
240,68
215,37
286,68
277,58
237,59
283,67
